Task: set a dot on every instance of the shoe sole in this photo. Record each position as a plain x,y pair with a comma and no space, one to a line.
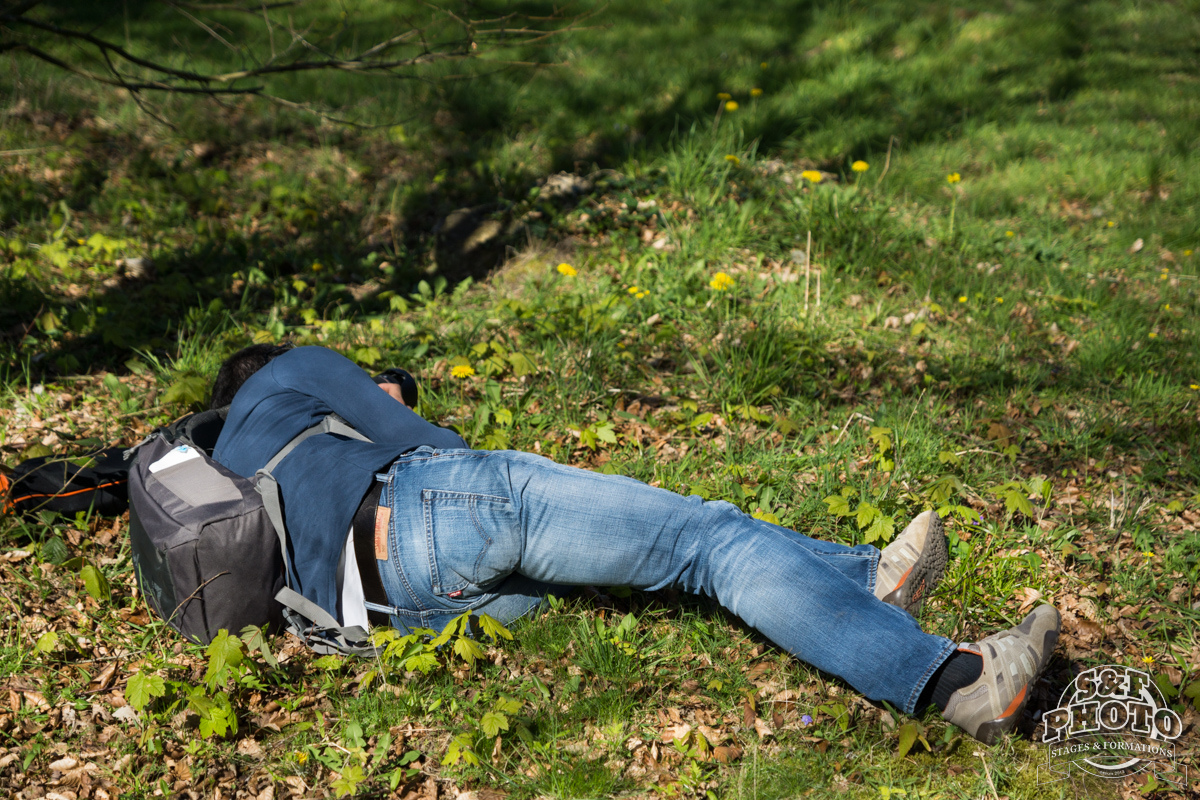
990,732
926,572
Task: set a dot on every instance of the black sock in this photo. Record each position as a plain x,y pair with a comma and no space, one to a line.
961,669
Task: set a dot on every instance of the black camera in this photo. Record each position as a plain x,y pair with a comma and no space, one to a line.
406,382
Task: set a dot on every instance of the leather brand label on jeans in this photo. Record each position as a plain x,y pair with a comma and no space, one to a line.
382,515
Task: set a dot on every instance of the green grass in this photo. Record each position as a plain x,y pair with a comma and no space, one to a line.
1027,350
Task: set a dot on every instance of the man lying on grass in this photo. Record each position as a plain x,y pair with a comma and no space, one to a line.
449,529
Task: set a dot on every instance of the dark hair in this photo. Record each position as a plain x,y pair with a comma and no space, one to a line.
238,368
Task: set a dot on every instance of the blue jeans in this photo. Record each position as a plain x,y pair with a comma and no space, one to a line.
495,531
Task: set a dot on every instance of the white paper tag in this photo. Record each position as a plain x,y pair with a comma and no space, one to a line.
177,455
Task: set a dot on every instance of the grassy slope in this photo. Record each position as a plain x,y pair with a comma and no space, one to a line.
1000,328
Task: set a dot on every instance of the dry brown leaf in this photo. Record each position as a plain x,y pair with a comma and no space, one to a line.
999,433
757,671
710,734
63,764
104,679
249,747
1028,597
676,733
725,754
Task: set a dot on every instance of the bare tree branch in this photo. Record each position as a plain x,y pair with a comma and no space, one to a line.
109,46
155,86
201,24
20,8
448,36
245,8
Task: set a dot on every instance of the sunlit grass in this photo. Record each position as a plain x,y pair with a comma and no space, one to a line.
663,324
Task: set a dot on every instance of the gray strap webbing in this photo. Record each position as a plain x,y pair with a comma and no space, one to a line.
331,424
324,635
335,424
266,485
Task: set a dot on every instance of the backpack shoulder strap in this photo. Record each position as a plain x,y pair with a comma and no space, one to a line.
318,629
312,624
331,424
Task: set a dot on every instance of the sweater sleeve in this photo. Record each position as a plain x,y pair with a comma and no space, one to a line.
349,392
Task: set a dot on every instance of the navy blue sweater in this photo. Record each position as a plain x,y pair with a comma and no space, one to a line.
324,479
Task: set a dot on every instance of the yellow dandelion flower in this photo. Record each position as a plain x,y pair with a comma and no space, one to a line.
462,371
301,757
633,290
1147,554
962,299
566,269
756,92
1194,386
1187,252
732,159
643,293
953,177
1153,335
722,96
731,105
1166,306
999,299
812,176
1009,233
860,166
722,282
1111,223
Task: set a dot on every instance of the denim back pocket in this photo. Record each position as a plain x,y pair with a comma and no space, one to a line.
473,539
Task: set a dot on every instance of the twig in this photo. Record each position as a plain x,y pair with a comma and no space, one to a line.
192,596
988,774
235,7
165,78
853,417
201,24
134,95
887,162
106,45
28,150
156,86
270,29
22,8
807,271
819,271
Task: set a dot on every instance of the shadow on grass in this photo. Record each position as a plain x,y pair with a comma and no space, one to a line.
835,83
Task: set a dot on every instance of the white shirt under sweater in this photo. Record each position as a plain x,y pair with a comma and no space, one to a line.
354,601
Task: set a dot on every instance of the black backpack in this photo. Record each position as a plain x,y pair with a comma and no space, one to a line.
209,545
55,483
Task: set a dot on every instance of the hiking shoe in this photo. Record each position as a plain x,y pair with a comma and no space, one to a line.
911,567
1012,661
